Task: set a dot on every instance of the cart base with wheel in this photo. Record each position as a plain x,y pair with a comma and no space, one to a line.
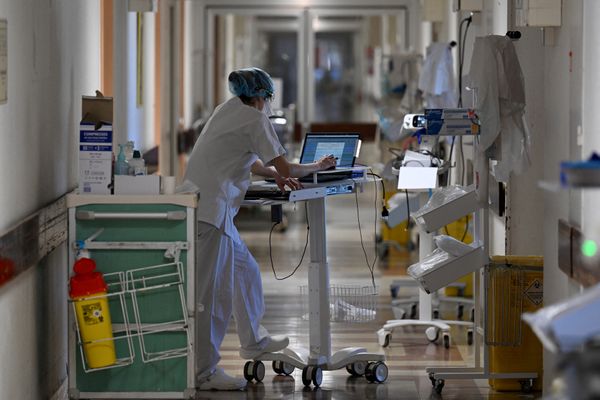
356,360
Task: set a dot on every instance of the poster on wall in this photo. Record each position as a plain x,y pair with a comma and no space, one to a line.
3,61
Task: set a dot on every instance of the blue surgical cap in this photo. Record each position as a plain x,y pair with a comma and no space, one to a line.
251,82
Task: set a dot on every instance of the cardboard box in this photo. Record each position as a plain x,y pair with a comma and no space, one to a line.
97,109
95,145
141,184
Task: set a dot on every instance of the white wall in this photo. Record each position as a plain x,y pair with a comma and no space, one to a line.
553,83
562,113
591,116
188,62
135,114
149,107
53,58
526,214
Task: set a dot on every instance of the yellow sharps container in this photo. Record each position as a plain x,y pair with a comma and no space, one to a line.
88,292
515,286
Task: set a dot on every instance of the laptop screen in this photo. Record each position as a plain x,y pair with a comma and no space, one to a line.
343,146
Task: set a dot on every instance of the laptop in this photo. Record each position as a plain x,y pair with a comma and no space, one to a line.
344,146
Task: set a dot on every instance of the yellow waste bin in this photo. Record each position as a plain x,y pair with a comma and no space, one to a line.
88,293
515,286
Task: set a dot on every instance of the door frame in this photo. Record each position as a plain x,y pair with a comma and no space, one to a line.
306,36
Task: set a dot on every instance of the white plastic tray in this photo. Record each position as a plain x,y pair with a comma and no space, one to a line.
449,212
399,214
450,270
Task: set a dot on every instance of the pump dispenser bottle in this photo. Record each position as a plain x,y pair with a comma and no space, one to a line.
137,165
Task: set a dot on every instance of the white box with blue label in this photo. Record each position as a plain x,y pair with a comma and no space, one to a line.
96,145
451,121
95,159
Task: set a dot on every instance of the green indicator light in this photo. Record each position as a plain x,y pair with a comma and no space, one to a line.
589,248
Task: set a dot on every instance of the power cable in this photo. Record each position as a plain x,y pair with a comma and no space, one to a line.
303,251
370,266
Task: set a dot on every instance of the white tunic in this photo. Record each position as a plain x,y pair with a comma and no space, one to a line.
235,136
437,77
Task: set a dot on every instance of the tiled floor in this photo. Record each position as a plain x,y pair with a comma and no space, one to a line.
409,352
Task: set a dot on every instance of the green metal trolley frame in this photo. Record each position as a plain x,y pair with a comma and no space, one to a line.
145,247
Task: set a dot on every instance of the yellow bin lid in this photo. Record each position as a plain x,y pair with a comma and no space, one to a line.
523,261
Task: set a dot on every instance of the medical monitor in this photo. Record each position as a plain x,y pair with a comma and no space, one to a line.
343,146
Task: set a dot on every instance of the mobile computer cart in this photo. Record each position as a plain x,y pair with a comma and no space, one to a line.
319,357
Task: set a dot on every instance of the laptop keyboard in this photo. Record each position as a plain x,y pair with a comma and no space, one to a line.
267,193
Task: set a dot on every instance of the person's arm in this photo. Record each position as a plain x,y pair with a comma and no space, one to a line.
295,170
258,168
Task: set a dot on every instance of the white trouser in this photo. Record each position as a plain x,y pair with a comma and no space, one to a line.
227,281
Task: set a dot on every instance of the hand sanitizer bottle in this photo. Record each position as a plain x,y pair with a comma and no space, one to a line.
121,166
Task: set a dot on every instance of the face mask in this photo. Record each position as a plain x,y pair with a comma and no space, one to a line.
267,108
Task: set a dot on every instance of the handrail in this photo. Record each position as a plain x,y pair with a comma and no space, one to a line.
94,215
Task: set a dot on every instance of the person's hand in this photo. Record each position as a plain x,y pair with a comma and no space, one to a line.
282,182
326,162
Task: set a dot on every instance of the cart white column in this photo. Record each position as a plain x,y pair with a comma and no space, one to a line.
318,285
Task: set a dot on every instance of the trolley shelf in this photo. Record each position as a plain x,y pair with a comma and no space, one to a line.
450,211
166,280
447,270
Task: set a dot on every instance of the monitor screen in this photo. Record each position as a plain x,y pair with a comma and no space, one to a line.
343,146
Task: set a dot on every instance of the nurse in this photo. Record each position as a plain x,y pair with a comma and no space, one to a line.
237,139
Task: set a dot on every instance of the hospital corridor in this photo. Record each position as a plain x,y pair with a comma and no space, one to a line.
299,199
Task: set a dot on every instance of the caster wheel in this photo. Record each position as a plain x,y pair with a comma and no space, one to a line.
287,369
258,371
376,372
369,372
472,315
403,314
459,312
357,369
413,311
526,385
446,340
306,375
317,376
387,340
439,385
277,367
432,378
432,333
248,371
436,314
470,337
